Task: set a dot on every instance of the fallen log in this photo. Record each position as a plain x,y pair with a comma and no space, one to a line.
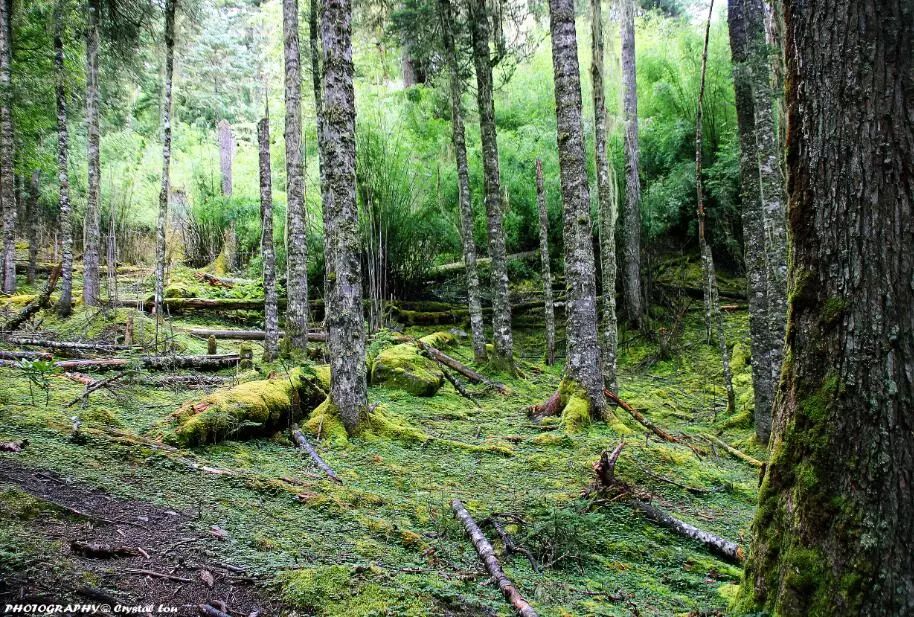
65,345
460,266
162,363
98,550
154,574
459,387
637,415
305,445
248,335
25,355
37,304
185,381
730,551
442,358
96,385
734,452
487,555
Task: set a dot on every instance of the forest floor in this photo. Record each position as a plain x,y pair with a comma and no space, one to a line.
254,524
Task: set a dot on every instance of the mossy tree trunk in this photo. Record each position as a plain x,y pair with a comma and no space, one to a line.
32,229
501,305
91,281
7,152
226,154
583,354
345,318
297,216
271,312
547,270
835,524
631,214
170,8
65,302
465,198
607,200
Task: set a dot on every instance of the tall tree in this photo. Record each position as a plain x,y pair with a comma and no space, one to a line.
226,153
271,314
345,317
544,257
583,354
65,302
297,216
631,214
91,284
501,302
32,226
464,197
7,151
170,9
607,200
835,524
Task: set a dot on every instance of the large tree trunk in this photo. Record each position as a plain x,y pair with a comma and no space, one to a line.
501,308
764,380
345,318
465,198
297,215
544,256
32,229
65,302
166,158
582,352
607,200
631,214
835,525
7,153
271,312
91,285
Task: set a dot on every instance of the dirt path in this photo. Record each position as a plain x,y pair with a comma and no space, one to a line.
168,561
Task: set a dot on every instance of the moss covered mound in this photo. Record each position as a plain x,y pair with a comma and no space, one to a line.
252,408
404,368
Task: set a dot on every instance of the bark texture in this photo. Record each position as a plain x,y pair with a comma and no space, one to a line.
631,214
835,524
345,318
297,216
32,229
583,353
226,153
764,379
7,153
501,307
91,282
65,302
166,156
607,200
458,138
547,271
271,311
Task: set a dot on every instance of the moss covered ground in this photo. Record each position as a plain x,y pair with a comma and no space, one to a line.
384,542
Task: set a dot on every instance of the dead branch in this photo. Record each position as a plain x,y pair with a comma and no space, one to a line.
96,385
734,452
458,386
155,574
637,415
97,550
487,554
25,355
305,445
13,446
510,547
446,360
208,610
37,304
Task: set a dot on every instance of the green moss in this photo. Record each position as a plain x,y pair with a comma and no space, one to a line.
739,358
833,309
575,406
440,340
314,588
325,423
403,368
100,417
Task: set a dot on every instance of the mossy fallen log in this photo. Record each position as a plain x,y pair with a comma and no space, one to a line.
253,408
402,366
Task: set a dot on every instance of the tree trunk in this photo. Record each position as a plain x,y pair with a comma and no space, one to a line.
835,525
547,272
166,159
465,197
297,215
713,316
226,153
607,200
32,227
631,214
65,302
583,353
501,308
764,380
271,312
345,318
91,284
7,153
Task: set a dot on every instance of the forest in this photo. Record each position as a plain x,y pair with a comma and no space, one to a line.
457,307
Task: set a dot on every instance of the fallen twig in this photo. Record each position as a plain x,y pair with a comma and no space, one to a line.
96,385
643,421
305,445
155,574
734,452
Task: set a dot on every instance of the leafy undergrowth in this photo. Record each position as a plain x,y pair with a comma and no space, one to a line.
385,542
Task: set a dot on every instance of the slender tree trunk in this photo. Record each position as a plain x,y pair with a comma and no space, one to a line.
501,305
32,226
835,524
91,284
465,197
583,354
713,315
607,199
65,302
316,81
346,322
297,248
631,214
764,380
226,154
170,6
544,255
7,152
271,314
